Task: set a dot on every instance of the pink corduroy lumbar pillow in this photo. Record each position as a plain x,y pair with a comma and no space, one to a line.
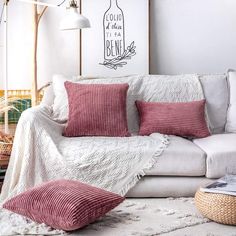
186,119
64,204
97,110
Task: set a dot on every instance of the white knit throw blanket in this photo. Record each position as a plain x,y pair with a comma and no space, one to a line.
40,153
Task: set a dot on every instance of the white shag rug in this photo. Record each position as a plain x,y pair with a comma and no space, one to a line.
134,217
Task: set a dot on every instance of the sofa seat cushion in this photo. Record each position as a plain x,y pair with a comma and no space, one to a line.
181,158
167,186
221,153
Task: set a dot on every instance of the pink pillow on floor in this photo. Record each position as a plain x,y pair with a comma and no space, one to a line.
64,204
185,119
97,110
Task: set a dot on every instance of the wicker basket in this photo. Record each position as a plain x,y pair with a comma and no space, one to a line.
5,148
220,208
1,183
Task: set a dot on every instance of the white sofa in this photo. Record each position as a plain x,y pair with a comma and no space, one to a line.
187,164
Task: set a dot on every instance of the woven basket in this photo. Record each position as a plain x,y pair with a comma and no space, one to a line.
1,183
220,208
5,148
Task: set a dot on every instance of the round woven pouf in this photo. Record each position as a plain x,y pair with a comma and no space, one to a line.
220,208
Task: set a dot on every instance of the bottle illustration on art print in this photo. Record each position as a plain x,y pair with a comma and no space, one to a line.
114,31
115,52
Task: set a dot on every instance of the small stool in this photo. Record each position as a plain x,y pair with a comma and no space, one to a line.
220,208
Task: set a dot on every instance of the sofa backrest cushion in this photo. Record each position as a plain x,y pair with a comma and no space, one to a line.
231,116
217,97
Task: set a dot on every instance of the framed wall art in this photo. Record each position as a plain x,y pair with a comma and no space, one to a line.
117,43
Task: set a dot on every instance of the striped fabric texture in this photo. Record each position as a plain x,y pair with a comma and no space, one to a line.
64,204
186,119
97,110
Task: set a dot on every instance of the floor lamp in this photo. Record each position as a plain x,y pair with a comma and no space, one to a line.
73,20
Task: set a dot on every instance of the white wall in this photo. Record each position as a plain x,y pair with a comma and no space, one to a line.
187,36
191,36
58,50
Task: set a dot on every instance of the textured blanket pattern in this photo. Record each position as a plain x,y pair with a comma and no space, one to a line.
41,153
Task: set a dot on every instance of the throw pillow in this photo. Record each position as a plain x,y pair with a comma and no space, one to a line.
64,204
61,105
185,119
97,110
60,112
231,116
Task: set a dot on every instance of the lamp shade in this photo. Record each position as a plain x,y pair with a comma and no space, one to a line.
73,20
